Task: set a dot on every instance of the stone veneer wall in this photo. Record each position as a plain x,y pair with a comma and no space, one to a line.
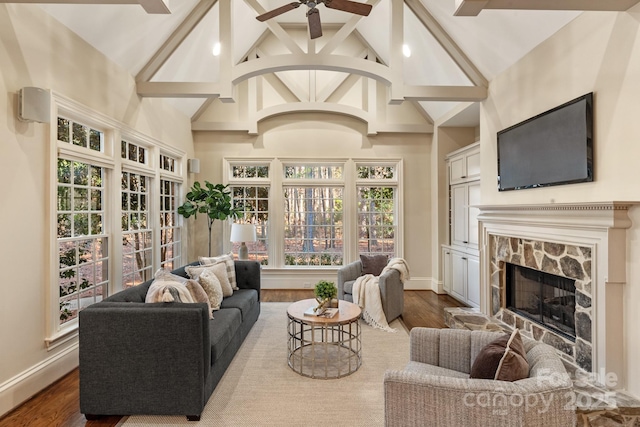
569,261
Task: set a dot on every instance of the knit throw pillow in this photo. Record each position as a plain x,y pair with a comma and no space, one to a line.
212,287
373,264
503,359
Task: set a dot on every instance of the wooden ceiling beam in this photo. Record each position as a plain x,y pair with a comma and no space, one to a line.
474,7
150,6
445,93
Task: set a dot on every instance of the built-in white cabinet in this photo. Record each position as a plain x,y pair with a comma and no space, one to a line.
460,258
465,198
461,275
464,164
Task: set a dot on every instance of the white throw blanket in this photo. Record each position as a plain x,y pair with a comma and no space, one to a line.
366,293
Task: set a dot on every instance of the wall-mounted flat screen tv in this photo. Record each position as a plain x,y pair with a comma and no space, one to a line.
552,148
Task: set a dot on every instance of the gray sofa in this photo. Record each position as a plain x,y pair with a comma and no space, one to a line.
391,288
161,358
435,390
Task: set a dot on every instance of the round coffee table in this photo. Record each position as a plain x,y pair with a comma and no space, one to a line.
324,347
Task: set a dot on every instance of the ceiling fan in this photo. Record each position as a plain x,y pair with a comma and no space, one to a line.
313,14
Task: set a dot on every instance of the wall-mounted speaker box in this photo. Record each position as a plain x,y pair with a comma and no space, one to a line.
34,105
193,165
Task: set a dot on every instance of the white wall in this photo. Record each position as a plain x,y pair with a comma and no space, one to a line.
314,136
36,50
600,53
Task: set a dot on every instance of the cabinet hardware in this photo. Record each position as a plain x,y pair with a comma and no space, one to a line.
465,242
464,258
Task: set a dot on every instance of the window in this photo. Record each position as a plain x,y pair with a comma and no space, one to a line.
137,243
170,239
308,207
83,275
99,216
254,196
376,188
133,152
79,135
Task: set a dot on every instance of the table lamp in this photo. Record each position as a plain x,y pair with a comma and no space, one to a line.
243,233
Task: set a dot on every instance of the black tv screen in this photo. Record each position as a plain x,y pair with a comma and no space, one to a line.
552,148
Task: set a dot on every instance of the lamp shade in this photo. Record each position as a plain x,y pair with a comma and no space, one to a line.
243,233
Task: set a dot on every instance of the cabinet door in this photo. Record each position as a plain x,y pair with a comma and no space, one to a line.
458,275
472,161
446,270
457,169
459,215
473,281
473,199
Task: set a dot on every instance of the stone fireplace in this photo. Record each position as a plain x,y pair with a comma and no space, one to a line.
557,260
582,243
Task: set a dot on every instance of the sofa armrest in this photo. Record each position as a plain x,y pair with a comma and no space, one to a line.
347,273
391,293
162,348
413,398
248,275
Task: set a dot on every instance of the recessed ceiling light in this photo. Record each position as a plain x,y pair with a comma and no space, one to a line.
216,49
406,50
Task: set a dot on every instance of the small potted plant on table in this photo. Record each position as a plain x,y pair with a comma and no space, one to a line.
326,293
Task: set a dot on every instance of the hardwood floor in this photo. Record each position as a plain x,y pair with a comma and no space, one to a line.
58,405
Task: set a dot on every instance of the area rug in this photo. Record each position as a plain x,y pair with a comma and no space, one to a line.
259,388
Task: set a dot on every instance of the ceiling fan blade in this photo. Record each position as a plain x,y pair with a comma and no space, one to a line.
277,11
315,27
349,6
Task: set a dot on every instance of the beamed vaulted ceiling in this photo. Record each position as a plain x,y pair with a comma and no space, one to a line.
273,67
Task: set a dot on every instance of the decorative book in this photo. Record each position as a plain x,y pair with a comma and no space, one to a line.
323,312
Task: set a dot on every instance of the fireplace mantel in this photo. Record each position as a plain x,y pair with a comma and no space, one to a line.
600,227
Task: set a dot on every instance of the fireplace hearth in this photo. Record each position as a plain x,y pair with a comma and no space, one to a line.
547,299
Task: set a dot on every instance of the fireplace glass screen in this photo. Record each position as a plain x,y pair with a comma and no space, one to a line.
542,297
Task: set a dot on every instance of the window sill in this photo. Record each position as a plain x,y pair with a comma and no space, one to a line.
62,336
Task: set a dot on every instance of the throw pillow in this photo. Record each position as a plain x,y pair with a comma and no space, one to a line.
198,294
503,359
220,270
212,287
373,264
162,274
167,291
228,260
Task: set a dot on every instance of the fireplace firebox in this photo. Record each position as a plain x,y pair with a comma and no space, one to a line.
545,298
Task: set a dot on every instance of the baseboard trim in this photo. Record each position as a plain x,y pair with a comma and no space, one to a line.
23,386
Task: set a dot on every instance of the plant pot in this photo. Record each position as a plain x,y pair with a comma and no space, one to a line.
334,303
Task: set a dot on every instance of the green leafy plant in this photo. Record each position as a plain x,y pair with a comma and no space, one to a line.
212,200
325,290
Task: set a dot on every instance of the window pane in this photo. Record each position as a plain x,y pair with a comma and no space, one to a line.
169,230
251,198
376,220
313,226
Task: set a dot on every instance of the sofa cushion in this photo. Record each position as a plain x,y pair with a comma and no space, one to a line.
503,359
373,264
243,300
222,329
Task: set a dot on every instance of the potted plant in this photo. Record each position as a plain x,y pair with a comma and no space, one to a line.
212,200
325,293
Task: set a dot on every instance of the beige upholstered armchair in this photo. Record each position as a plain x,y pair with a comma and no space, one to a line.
391,288
435,390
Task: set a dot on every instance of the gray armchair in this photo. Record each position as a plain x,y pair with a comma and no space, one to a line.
391,288
435,390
